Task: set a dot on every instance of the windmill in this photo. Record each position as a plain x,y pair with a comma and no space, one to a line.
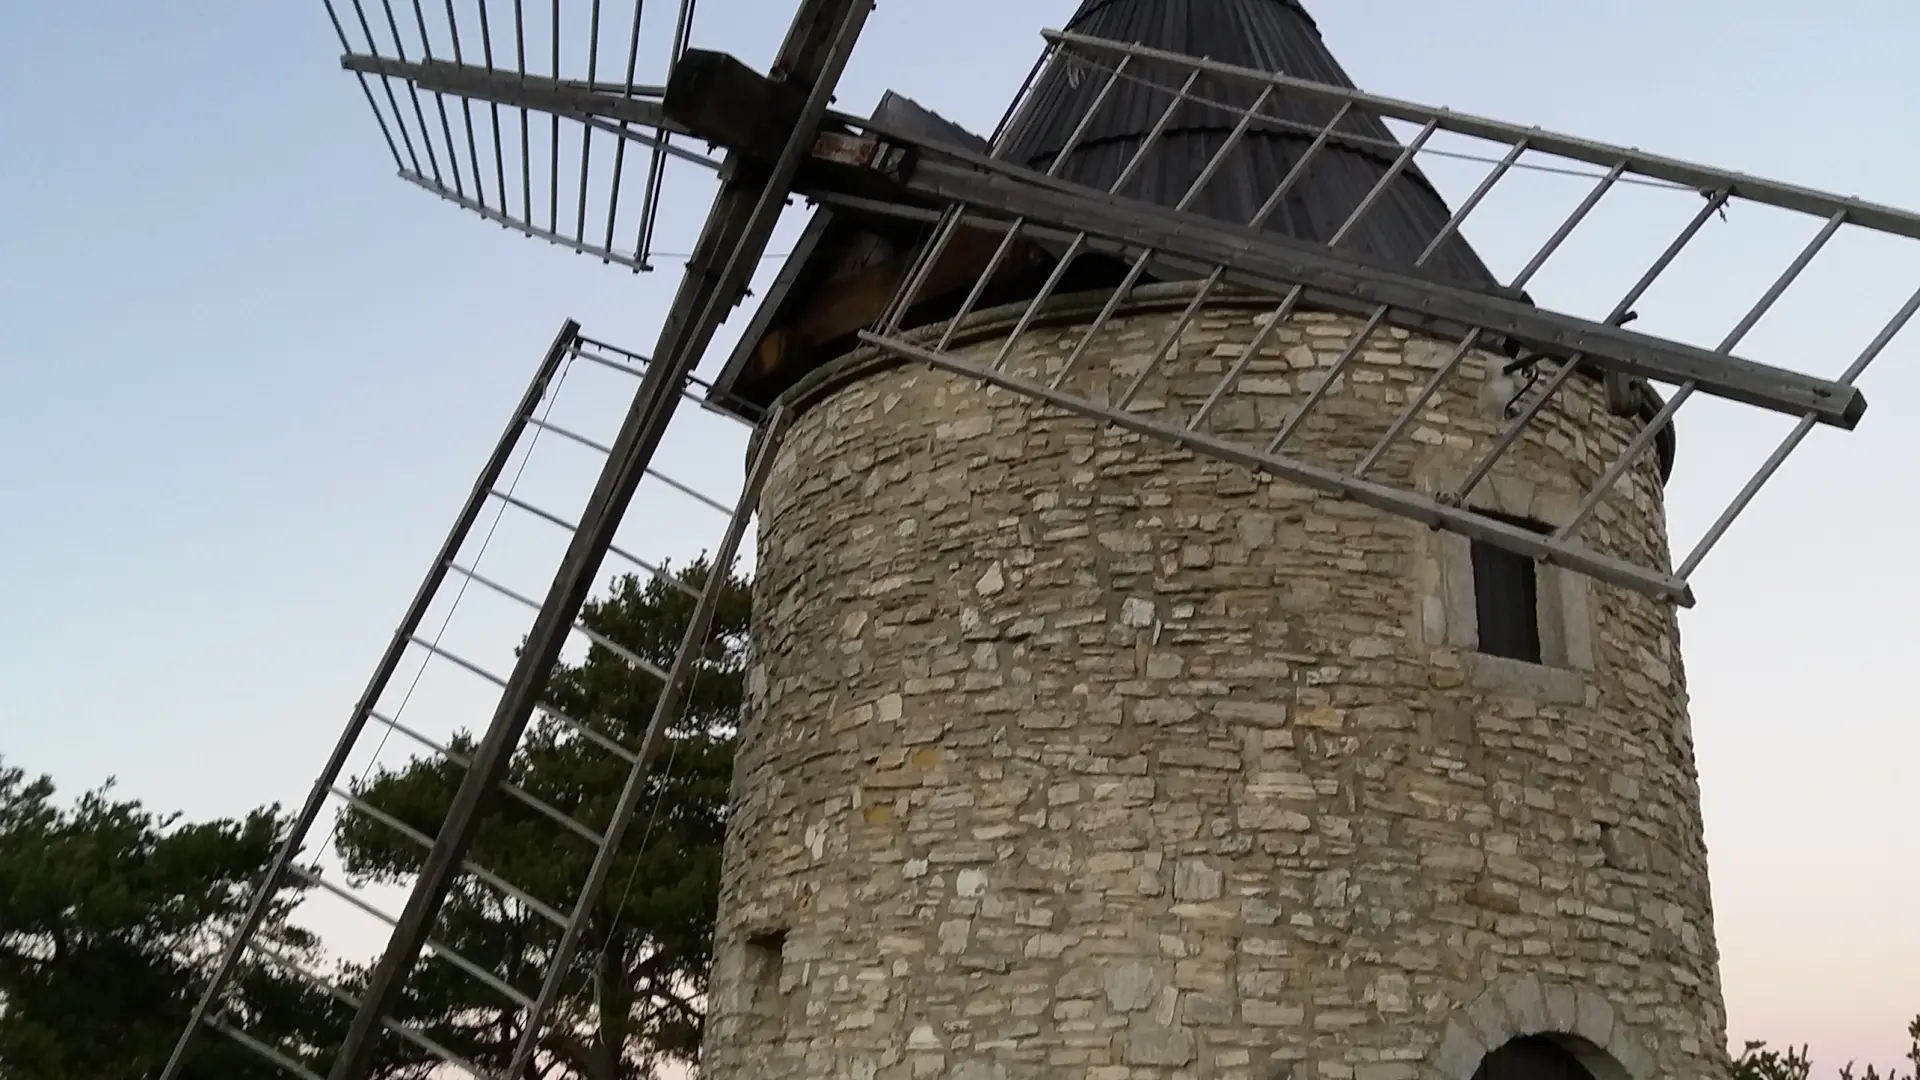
1182,557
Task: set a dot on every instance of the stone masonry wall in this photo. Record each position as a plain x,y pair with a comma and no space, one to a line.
1072,755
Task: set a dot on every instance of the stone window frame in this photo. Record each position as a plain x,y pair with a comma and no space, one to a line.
1565,607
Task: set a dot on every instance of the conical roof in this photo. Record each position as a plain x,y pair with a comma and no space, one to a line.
1268,35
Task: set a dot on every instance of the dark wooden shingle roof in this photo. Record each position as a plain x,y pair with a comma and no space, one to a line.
1268,35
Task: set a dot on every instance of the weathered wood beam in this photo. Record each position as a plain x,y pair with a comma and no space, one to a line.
566,97
732,105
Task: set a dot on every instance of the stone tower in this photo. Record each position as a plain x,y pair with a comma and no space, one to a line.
1071,755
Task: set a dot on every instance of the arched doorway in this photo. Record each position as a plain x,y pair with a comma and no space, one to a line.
1531,1057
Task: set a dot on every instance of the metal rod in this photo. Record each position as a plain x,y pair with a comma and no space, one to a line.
1567,226
1126,175
626,134
386,86
1347,355
410,1034
439,100
1412,409
689,384
1140,263
1013,231
1146,146
1240,364
586,135
687,391
1567,367
478,81
1698,177
655,473
576,726
1783,282
1653,428
980,283
1487,182
631,658
1259,219
526,136
553,140
1168,340
419,114
620,145
383,671
1021,107
466,111
923,263
950,220
1386,179
1511,433
1039,301
520,794
1365,492
367,89
458,661
272,1053
1080,127
1440,376
1635,447
1359,340
586,342
554,519
425,842
1261,333
656,165
666,709
1792,441
520,226
438,948
493,107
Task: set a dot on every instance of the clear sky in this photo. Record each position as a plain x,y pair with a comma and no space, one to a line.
246,376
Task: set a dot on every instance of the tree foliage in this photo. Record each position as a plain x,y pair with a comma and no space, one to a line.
109,917
1758,1062
110,914
633,1000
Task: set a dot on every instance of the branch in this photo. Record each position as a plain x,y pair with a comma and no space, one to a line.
573,1050
687,1009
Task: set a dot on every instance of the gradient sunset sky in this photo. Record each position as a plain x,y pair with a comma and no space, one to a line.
246,376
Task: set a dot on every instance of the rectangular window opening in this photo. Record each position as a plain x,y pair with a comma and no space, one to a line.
765,957
1506,597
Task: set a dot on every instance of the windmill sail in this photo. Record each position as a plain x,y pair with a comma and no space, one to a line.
1158,161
